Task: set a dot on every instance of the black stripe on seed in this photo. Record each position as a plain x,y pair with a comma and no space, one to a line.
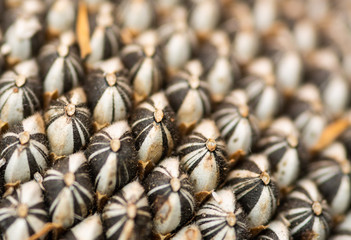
67,76
4,103
7,222
126,98
194,165
98,162
131,58
193,145
113,107
268,234
8,152
256,99
250,166
176,98
231,131
135,69
330,188
144,118
95,85
53,119
249,200
32,163
106,48
112,221
140,139
43,217
26,103
77,141
218,227
70,236
30,229
204,93
164,141
277,155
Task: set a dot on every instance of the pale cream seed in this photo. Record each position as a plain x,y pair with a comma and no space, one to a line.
284,220
104,20
216,197
270,80
20,80
180,26
131,211
265,178
38,177
191,234
317,208
5,49
63,50
158,115
22,210
149,51
24,138
317,106
244,110
292,141
211,144
231,219
70,109
345,166
194,82
115,144
69,178
175,184
2,162
111,79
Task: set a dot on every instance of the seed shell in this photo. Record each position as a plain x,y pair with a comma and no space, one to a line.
89,229
24,37
220,66
334,87
178,39
109,95
255,189
222,217
276,231
22,213
286,154
68,123
189,95
20,93
127,215
61,67
154,128
342,231
105,35
136,15
146,66
25,149
306,211
205,15
190,232
332,174
61,16
69,191
306,110
237,125
203,156
263,96
112,157
170,195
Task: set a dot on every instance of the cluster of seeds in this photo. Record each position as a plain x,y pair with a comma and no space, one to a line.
175,119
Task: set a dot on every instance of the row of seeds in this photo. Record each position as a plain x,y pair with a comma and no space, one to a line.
213,127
